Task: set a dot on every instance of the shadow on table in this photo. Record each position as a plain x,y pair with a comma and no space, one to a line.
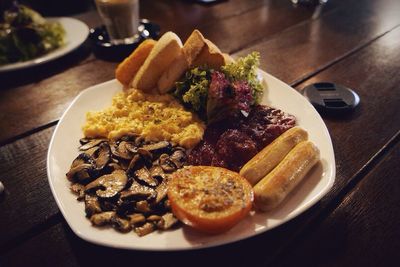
252,251
60,7
343,117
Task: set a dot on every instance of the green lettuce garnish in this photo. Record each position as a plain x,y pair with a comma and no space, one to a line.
193,89
245,69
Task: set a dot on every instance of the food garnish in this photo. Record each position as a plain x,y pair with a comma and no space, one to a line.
227,99
217,94
209,199
25,34
193,90
245,69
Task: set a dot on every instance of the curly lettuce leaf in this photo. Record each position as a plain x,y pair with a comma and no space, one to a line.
215,95
245,69
193,90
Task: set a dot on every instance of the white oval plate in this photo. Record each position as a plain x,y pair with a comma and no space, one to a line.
76,33
64,148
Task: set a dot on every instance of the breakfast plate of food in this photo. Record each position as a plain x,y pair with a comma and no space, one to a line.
187,148
27,39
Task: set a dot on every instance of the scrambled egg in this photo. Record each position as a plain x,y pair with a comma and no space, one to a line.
156,117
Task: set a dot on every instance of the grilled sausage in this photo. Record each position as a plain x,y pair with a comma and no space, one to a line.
274,187
262,163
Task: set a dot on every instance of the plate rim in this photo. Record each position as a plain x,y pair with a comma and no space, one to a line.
52,55
293,215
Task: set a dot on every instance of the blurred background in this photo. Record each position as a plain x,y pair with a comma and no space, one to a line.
57,7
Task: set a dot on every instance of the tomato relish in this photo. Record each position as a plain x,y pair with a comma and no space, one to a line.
234,141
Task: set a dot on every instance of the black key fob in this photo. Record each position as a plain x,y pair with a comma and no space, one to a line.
331,98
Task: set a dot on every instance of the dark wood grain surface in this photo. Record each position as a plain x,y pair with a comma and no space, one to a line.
27,200
45,82
365,222
355,43
291,56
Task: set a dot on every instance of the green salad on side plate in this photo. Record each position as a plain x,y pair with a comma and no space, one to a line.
25,34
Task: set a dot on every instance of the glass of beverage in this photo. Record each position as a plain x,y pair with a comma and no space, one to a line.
121,18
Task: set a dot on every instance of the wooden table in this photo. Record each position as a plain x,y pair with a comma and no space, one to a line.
352,42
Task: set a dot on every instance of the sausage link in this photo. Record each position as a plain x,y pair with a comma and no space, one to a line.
268,158
274,187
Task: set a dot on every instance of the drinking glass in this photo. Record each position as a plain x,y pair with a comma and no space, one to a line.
121,18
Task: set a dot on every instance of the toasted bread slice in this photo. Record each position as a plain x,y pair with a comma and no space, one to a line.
197,51
128,68
227,59
201,51
210,56
193,46
191,49
172,74
166,50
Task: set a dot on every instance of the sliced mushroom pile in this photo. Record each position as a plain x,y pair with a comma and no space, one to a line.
124,182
